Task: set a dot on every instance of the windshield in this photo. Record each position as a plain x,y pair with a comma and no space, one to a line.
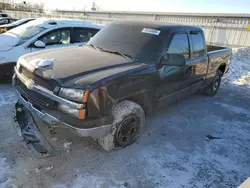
129,40
26,32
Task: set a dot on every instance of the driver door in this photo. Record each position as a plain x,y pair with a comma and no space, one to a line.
175,80
57,38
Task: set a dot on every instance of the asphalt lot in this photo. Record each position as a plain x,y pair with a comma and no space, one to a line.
172,152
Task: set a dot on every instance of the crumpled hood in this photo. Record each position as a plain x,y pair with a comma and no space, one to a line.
76,66
8,41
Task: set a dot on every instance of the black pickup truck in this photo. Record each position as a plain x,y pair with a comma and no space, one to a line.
104,89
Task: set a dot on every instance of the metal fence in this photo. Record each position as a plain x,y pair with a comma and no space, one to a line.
220,29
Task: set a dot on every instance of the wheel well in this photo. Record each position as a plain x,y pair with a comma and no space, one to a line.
143,100
222,68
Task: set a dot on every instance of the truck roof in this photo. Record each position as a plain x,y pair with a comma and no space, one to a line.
160,25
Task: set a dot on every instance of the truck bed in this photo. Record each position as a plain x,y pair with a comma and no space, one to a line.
218,51
218,56
214,48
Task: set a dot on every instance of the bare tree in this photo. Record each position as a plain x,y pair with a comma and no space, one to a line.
93,6
21,6
5,4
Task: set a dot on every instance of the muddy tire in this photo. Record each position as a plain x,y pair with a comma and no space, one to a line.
129,120
212,88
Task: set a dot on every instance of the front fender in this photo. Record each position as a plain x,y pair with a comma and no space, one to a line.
139,89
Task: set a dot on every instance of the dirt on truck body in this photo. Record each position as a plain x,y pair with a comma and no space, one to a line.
104,89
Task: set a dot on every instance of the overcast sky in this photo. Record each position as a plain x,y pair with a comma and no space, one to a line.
217,6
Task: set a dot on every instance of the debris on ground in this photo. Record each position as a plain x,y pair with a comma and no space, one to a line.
210,137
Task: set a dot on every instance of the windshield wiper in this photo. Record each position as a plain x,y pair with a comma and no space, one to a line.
95,47
113,52
123,55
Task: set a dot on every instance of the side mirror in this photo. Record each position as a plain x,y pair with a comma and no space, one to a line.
174,60
39,44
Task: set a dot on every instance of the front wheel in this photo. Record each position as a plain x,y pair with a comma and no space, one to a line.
212,88
129,120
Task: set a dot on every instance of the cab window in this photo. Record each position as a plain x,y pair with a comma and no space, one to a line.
198,44
179,45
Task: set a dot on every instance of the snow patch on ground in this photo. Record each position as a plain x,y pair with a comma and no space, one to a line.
67,146
239,72
235,109
87,180
7,95
199,169
5,173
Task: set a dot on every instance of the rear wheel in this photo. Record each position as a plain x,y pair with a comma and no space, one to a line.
129,120
212,88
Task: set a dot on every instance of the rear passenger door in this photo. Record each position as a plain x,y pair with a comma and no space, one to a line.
80,35
199,60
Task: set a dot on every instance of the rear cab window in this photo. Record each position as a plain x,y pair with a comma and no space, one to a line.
199,48
179,45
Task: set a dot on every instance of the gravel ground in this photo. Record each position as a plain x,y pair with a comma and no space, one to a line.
172,152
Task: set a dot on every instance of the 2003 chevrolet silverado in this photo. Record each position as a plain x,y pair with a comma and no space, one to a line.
104,89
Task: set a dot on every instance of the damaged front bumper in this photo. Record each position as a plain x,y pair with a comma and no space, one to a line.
24,120
99,131
26,127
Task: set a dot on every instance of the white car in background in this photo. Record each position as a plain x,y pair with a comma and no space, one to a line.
42,34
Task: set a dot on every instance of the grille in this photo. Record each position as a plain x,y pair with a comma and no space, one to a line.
34,97
48,84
